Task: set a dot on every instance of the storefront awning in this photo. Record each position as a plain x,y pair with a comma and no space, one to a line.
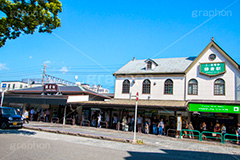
144,104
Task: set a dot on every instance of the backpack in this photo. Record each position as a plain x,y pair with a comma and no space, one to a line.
238,130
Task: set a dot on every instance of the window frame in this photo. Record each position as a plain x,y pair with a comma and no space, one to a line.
145,87
192,90
124,86
219,84
167,85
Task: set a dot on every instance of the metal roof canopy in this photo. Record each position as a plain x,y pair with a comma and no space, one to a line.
142,104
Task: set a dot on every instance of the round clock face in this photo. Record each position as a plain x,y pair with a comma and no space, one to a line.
212,57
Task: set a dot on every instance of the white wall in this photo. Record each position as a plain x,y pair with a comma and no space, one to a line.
206,83
157,91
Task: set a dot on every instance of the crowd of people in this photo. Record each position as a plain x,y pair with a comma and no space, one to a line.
37,115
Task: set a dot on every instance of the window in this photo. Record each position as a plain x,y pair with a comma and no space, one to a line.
21,85
149,65
146,88
219,87
9,85
13,87
193,87
126,86
168,86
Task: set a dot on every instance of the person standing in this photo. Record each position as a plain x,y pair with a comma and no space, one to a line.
47,115
161,127
99,120
154,124
223,129
132,123
190,127
31,114
146,126
115,121
139,124
238,133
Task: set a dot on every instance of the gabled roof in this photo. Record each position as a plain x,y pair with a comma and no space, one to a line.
216,46
165,66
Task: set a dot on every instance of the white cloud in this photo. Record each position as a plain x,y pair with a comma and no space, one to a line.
64,70
46,62
2,66
30,57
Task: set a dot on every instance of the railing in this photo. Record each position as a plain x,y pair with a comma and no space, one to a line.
212,137
231,135
189,130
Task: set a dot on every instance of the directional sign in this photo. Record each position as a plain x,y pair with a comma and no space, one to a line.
4,85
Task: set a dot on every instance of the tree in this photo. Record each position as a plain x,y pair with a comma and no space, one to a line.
27,16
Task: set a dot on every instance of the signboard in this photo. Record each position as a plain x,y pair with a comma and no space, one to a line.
179,123
216,108
212,69
4,85
50,88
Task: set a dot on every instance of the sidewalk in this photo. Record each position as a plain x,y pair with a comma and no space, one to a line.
120,136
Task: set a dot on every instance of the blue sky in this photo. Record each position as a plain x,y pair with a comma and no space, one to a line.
98,37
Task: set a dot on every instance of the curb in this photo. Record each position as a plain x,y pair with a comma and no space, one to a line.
80,134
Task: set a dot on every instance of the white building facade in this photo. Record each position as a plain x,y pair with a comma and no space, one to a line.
209,83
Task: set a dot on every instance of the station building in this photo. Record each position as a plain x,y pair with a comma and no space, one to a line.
203,88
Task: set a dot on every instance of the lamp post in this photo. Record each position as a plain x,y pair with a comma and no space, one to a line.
135,120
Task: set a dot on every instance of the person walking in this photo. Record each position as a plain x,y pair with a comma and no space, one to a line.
161,127
26,116
190,127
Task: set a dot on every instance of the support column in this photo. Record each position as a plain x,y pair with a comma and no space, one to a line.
64,116
79,111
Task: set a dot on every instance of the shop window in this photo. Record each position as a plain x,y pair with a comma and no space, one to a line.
168,86
126,86
193,87
146,87
219,87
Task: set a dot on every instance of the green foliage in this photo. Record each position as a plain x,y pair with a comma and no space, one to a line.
26,16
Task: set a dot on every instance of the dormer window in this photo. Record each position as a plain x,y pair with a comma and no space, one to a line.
149,65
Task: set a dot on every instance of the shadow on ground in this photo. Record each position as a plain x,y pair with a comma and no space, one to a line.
180,155
16,131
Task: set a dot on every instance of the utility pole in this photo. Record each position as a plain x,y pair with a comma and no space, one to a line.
44,70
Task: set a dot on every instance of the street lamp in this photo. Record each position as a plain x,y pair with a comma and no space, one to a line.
135,120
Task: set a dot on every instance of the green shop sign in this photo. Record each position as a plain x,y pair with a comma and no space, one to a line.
217,108
212,69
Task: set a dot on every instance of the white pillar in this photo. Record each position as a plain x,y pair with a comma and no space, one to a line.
64,117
